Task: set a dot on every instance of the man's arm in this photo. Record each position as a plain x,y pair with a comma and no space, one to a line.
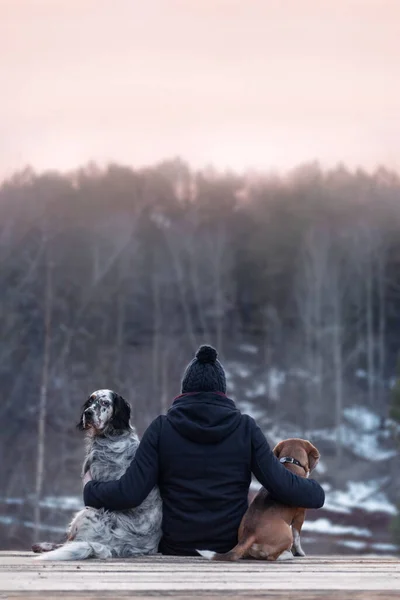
136,483
283,485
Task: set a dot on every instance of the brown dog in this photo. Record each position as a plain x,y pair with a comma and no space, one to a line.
270,530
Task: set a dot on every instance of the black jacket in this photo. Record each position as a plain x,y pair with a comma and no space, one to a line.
202,454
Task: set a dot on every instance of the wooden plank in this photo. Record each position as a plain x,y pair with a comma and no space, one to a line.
370,578
284,595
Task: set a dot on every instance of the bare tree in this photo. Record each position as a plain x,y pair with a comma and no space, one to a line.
336,287
309,291
41,422
369,255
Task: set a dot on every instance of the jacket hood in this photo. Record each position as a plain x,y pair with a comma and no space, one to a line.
204,417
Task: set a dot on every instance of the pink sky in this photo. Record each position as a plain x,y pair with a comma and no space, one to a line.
238,83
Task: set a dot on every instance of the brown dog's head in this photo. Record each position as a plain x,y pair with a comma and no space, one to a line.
302,451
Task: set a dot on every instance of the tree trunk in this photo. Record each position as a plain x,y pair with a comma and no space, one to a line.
119,342
157,316
43,393
338,377
370,332
381,331
219,304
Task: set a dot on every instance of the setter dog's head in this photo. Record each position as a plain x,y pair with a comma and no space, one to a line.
105,412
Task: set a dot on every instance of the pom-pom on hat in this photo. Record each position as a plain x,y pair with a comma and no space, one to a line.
205,373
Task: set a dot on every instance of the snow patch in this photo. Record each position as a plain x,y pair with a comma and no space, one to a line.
248,408
354,544
365,495
304,374
260,389
327,527
282,432
361,374
358,495
229,381
52,502
363,433
321,468
237,369
62,502
12,501
248,348
385,547
363,444
362,418
276,378
30,524
243,371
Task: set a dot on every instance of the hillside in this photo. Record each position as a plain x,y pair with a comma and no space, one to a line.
360,484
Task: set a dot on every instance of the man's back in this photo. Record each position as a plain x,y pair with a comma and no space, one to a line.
205,472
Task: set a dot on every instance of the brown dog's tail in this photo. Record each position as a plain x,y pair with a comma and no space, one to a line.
235,554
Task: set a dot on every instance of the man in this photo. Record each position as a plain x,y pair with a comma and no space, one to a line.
201,454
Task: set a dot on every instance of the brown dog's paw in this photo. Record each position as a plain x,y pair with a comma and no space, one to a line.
299,553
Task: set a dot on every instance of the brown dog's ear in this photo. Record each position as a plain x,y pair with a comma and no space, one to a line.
313,456
278,448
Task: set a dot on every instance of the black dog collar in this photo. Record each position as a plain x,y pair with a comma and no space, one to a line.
291,461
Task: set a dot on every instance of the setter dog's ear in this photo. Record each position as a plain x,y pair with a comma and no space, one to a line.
122,413
313,456
85,406
80,424
278,448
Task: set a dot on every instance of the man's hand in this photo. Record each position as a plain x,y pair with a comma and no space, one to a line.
87,477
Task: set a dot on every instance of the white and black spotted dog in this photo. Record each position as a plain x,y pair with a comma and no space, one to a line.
111,446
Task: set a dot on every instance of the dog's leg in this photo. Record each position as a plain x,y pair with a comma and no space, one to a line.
278,551
44,547
296,528
286,555
282,552
298,550
73,529
41,547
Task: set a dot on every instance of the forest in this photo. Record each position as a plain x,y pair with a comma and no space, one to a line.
111,277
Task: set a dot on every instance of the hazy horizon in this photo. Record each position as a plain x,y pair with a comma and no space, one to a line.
262,84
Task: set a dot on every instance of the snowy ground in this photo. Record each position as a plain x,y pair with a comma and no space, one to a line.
355,518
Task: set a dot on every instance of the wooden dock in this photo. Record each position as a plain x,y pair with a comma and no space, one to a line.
311,578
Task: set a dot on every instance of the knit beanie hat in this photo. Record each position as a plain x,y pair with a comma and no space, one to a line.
205,373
